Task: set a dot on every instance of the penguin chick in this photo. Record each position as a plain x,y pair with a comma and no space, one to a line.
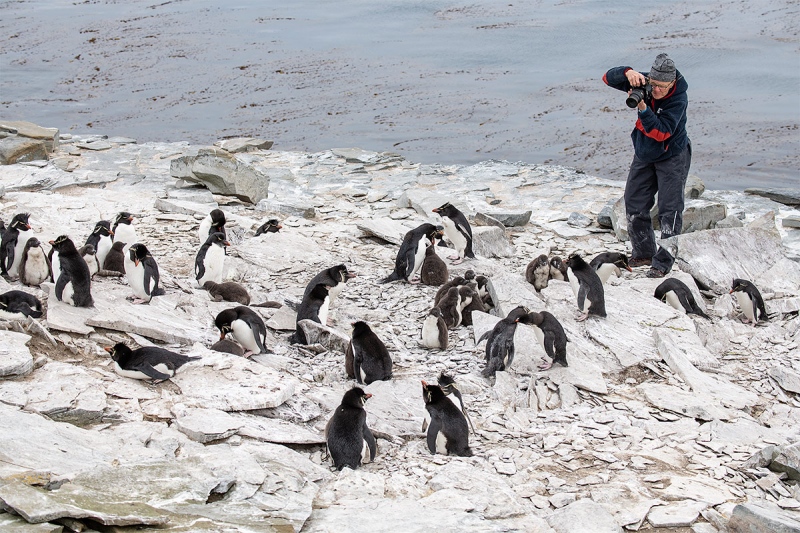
450,306
434,270
74,284
209,263
228,291
142,273
447,432
18,304
34,267
537,273
550,335
227,346
558,269
457,230
448,385
149,362
335,278
590,294
115,259
434,330
455,282
270,226
123,229
246,326
500,342
608,263
412,252
13,242
675,293
349,440
750,300
475,304
102,239
371,360
309,309
213,223
89,254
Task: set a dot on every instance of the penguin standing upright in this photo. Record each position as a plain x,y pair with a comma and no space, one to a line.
458,230
150,362
371,360
537,273
115,259
102,239
608,263
270,226
74,284
558,269
123,229
349,440
412,252
142,273
12,244
213,223
448,432
19,304
457,281
500,343
309,309
749,299
451,308
590,294
434,330
434,270
675,292
209,263
34,267
448,385
335,278
246,326
89,254
551,337
229,291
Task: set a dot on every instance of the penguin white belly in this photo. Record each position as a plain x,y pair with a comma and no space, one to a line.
365,455
66,294
323,311
334,291
605,271
244,335
36,270
539,335
419,257
459,241
746,304
205,226
430,332
56,264
136,374
103,247
22,240
5,315
214,263
573,282
91,262
135,276
672,299
441,443
125,233
363,374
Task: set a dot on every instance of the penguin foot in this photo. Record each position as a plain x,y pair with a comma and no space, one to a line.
248,353
582,317
455,260
545,366
414,281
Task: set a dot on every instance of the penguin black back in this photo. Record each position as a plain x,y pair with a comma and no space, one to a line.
446,421
347,434
590,287
148,285
409,259
309,310
750,300
9,242
209,261
553,339
73,270
270,226
371,360
149,362
457,229
674,288
246,326
448,385
500,342
20,302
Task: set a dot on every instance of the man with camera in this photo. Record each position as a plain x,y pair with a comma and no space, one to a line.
662,155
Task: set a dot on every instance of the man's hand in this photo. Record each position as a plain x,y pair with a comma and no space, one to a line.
636,79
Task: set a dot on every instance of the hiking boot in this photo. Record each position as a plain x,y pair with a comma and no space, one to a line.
642,261
655,273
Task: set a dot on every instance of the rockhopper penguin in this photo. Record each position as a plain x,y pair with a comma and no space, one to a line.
412,252
150,362
350,441
457,230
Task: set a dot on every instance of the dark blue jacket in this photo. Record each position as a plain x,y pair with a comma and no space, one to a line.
660,130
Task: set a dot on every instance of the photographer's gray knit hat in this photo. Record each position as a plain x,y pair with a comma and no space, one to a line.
663,68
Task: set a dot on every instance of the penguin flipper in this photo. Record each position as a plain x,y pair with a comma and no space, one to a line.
581,296
62,281
148,370
199,269
370,439
259,332
484,336
148,278
433,431
549,343
8,253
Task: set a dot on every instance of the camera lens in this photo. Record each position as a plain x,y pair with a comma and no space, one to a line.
635,97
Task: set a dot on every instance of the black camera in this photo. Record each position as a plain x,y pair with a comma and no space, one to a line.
640,93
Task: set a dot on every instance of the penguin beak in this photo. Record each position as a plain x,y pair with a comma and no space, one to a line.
424,384
628,268
226,243
27,226
53,242
367,396
136,261
111,232
731,292
351,275
108,348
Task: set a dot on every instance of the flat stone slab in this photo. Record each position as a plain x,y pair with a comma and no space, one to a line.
184,207
285,251
698,488
683,403
205,425
397,407
787,379
283,319
15,357
780,195
15,524
583,515
230,383
491,241
391,231
681,514
510,290
275,430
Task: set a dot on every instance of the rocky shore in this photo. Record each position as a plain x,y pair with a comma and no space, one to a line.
661,420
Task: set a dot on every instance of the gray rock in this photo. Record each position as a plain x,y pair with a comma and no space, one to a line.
787,379
730,221
488,491
15,357
356,155
511,219
692,405
97,145
482,219
604,216
423,202
491,241
285,251
701,214
183,207
783,196
583,515
122,140
579,220
618,221
244,144
205,425
27,129
15,524
788,460
20,150
273,430
294,208
791,221
389,230
329,338
699,488
681,514
693,188
755,518
510,290
283,319
224,174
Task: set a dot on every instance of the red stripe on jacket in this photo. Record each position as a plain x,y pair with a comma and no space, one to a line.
654,134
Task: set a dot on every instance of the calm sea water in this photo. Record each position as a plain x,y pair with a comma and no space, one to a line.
439,82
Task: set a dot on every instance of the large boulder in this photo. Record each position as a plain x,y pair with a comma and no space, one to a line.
49,136
222,173
17,149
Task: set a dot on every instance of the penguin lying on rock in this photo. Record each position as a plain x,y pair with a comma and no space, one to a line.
270,226
675,293
19,304
149,362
